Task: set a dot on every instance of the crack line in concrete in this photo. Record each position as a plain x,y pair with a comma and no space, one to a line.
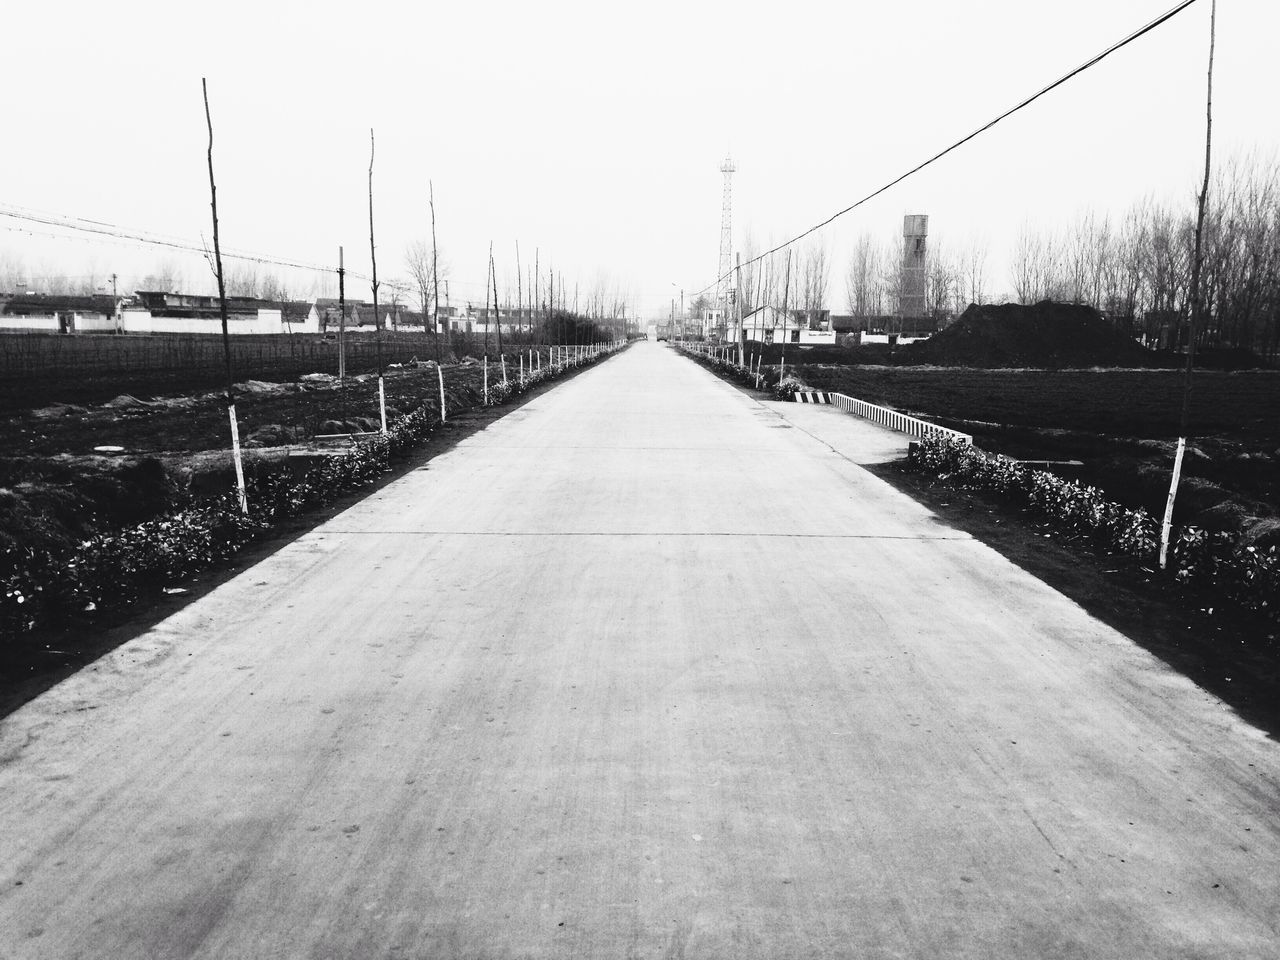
630,533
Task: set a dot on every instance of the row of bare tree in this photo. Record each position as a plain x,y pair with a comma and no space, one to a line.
1137,269
528,291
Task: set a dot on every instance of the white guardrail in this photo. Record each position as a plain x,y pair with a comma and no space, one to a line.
912,426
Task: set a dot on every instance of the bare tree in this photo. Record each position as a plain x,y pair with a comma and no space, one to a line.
863,276
975,273
417,263
13,275
942,282
271,288
240,281
1036,265
814,272
750,270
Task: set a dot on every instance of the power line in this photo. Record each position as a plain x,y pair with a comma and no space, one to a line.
113,231
109,231
1092,61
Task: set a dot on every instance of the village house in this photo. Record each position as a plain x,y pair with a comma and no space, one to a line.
768,324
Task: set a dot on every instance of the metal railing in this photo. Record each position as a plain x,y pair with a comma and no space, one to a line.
911,426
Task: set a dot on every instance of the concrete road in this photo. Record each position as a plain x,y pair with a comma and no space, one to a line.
644,669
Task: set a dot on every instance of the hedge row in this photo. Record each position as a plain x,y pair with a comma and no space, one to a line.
113,570
784,389
1209,560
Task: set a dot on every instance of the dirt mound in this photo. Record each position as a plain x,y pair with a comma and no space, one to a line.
126,402
57,410
1047,334
262,386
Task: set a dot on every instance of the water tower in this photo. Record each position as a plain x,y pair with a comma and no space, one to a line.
915,233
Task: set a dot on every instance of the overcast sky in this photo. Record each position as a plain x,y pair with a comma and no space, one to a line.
594,131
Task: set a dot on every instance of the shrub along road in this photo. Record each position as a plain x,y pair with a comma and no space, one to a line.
642,669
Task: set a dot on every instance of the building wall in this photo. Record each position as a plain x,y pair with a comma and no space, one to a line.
31,324
142,321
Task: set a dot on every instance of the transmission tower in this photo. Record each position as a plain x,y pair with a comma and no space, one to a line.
724,287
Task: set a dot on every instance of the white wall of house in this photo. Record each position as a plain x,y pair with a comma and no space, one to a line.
49,324
142,321
884,338
817,337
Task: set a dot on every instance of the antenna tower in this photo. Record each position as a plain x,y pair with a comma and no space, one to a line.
723,294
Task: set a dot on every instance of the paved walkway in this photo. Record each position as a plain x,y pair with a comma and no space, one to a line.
645,669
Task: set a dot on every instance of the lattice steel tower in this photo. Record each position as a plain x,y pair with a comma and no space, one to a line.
726,242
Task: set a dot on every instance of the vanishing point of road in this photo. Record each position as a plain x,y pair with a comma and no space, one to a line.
646,668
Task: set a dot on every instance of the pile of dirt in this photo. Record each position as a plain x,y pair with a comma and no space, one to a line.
1048,334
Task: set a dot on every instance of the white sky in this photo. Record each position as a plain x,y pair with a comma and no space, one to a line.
594,132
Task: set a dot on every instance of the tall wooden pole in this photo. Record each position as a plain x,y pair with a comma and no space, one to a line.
435,272
493,271
222,310
786,290
377,320
342,318
487,316
519,291
1197,302
737,301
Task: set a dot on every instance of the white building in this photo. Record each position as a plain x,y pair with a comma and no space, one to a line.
770,325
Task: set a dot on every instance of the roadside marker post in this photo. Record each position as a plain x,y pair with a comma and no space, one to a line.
504,369
522,368
382,403
1167,525
486,380
440,374
235,455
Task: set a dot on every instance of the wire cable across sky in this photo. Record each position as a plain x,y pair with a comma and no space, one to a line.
1092,61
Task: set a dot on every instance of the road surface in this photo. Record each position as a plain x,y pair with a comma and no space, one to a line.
647,668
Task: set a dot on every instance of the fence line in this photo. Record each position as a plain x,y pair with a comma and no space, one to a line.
912,426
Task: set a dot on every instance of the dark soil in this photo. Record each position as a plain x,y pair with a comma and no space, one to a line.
37,370
1046,334
56,489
